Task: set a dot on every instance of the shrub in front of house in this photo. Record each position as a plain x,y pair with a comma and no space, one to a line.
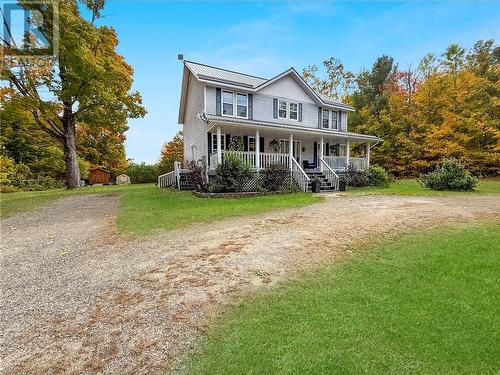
231,175
373,176
378,176
451,175
195,175
276,177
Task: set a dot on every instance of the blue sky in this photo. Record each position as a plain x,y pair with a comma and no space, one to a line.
266,38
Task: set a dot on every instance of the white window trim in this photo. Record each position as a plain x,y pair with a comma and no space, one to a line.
255,143
337,120
222,103
289,110
279,109
236,104
323,118
214,136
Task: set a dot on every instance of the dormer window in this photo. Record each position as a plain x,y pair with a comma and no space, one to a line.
326,119
294,111
227,103
241,105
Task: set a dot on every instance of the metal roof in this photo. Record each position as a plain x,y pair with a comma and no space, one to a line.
211,73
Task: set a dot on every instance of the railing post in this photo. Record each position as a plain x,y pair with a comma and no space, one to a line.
321,152
219,145
347,154
257,149
291,150
367,156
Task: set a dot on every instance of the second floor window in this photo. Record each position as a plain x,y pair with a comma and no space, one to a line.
294,111
282,107
241,105
326,120
227,103
335,120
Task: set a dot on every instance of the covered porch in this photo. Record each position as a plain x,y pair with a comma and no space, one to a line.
312,150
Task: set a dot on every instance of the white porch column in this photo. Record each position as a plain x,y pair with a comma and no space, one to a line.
257,149
321,153
347,154
219,146
367,156
291,150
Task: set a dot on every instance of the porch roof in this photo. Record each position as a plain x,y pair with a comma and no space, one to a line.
253,124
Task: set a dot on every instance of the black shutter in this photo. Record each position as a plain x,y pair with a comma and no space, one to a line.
245,143
209,143
315,153
300,112
218,101
320,112
250,106
228,140
275,108
262,144
327,153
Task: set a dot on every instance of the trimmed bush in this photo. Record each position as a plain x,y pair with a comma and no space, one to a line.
373,176
195,175
451,175
231,175
276,177
377,176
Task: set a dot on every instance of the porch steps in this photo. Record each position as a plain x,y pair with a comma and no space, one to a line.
326,184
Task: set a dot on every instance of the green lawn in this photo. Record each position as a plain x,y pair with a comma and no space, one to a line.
426,303
144,207
412,187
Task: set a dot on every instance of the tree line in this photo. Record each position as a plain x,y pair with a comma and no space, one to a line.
446,107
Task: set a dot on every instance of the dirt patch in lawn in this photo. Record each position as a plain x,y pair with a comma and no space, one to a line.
77,297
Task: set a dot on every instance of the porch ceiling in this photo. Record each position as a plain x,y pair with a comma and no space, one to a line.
299,132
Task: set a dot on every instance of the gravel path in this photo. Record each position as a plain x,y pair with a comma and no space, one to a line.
79,298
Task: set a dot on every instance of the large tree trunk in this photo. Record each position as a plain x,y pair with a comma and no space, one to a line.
69,146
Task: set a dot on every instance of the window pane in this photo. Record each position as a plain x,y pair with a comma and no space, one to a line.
241,111
325,118
227,97
294,114
251,143
227,109
282,109
242,99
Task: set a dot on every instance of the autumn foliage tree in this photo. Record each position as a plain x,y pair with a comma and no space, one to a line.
172,151
87,86
448,107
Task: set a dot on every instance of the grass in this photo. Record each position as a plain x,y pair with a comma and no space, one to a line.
145,208
427,303
413,187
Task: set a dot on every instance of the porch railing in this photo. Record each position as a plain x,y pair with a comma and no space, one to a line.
340,162
357,163
266,158
330,174
167,180
299,175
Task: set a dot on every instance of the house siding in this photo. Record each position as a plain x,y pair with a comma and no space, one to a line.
263,104
195,129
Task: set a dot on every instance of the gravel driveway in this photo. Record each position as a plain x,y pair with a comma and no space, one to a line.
79,298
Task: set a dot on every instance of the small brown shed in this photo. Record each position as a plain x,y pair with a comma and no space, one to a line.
99,176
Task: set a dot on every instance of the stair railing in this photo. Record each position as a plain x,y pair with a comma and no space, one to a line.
330,174
299,175
166,180
177,169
